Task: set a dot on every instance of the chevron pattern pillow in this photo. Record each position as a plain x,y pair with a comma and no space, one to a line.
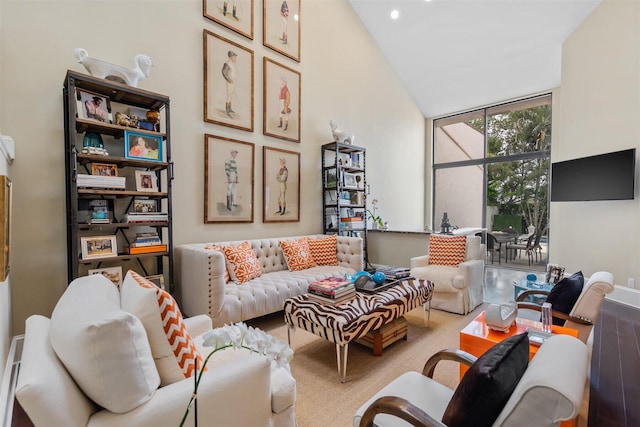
324,250
173,349
447,250
242,262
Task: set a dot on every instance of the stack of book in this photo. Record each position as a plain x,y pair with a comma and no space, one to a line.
146,217
394,273
101,181
332,291
145,243
354,222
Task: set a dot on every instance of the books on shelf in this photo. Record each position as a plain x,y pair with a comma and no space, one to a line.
146,217
101,181
135,250
146,239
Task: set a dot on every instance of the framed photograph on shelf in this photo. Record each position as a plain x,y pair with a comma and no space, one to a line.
236,15
281,27
228,180
281,101
142,146
93,106
112,273
349,180
99,247
228,83
144,206
146,181
281,185
156,279
104,169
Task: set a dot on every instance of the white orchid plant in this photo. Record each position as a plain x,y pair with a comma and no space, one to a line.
238,336
375,218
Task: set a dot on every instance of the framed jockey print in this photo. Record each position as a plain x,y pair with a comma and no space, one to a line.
237,15
281,27
280,185
228,180
281,101
228,83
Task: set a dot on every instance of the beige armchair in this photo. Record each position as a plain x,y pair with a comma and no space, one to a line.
457,289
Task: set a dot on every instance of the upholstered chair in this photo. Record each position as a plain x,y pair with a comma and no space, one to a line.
455,265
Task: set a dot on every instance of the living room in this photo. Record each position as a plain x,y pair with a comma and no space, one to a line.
345,77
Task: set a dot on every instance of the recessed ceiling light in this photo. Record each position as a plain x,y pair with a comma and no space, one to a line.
395,14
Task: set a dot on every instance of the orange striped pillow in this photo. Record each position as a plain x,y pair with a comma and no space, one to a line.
297,254
324,250
217,247
173,349
447,250
242,262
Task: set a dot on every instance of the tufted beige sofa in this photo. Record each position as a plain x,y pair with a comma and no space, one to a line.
200,278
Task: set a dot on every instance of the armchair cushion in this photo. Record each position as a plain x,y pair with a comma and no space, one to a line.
173,349
447,250
486,387
242,262
564,295
297,254
104,348
324,250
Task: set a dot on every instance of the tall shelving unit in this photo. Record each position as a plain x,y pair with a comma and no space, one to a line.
344,203
120,202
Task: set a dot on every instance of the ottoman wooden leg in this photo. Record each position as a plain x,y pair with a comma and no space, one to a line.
341,353
377,343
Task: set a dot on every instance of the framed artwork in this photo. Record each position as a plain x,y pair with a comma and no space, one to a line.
146,181
281,27
5,226
142,146
281,101
228,83
228,180
93,106
144,206
112,273
281,185
104,169
99,247
236,15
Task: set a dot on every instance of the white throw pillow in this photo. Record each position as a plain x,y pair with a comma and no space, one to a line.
104,348
173,349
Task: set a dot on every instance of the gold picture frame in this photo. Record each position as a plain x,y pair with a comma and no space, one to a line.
281,185
281,101
5,227
281,27
235,15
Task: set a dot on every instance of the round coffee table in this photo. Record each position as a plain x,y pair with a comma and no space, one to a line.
526,285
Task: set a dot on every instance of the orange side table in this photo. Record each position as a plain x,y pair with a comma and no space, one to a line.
476,338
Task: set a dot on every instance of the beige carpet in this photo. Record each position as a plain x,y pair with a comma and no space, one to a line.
325,402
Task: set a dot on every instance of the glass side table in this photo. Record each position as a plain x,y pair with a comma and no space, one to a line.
520,286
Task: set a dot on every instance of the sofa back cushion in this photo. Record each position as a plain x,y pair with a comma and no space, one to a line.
174,351
104,348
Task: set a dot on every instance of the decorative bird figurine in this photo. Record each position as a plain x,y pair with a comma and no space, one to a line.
118,73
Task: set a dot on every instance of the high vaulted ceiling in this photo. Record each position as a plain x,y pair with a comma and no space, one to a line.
454,55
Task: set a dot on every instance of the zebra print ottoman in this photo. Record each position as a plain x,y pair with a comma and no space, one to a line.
343,323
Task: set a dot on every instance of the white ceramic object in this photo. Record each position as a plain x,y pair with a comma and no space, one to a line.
106,70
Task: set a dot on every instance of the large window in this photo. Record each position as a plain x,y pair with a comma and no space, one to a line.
491,167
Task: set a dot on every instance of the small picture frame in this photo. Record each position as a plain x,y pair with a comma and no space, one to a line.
142,146
156,279
112,273
144,206
146,181
104,169
554,274
99,247
350,180
93,106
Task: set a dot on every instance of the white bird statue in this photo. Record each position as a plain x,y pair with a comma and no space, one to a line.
340,136
118,73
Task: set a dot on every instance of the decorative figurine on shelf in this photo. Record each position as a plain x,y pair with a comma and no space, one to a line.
445,225
340,136
130,120
117,73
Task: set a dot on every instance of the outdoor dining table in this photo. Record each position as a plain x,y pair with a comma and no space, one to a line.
503,237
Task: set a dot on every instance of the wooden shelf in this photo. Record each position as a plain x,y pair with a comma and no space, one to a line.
87,192
121,162
117,131
122,257
86,226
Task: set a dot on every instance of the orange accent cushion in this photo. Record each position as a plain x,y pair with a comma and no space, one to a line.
324,250
217,247
242,262
447,250
297,254
173,349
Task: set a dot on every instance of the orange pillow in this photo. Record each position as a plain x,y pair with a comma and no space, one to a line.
242,262
447,250
324,250
297,254
217,247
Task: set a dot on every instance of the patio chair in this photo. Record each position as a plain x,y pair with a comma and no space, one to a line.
530,230
516,247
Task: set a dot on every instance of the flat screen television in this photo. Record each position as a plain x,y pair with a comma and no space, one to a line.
607,176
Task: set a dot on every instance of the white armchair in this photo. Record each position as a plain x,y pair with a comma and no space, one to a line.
458,289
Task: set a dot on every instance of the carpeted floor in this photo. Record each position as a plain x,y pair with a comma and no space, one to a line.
324,401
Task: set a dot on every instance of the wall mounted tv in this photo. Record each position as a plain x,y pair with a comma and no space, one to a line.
607,176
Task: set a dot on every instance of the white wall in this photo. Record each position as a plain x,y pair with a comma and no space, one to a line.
344,77
599,112
5,291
